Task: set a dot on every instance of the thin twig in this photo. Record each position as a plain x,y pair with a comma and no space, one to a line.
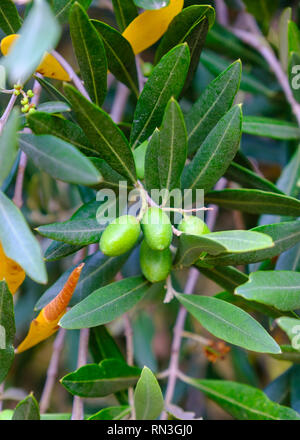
78,409
76,80
259,43
7,111
119,103
221,12
52,370
1,392
129,351
177,331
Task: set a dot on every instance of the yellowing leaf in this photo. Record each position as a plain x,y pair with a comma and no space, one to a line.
46,323
149,27
11,272
49,66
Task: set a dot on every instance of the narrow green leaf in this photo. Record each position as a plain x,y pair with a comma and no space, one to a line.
192,246
152,179
151,4
9,145
242,401
54,107
103,346
10,21
227,277
125,12
148,398
94,380
166,80
120,56
215,153
59,159
173,146
51,90
75,232
285,16
255,201
98,271
39,34
27,409
103,134
7,330
249,179
291,327
293,38
272,128
212,105
111,413
43,123
181,27
18,242
249,82
90,53
280,289
58,250
106,303
284,236
62,8
230,323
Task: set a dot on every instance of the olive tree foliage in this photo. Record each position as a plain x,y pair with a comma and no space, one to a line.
149,205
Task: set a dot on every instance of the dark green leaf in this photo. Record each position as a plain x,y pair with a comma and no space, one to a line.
54,107
243,402
103,134
106,303
10,21
192,246
62,8
98,271
75,232
58,250
94,380
148,398
125,12
249,179
166,80
90,54
173,146
103,346
230,323
59,159
8,145
284,235
152,179
227,277
27,409
43,123
272,128
111,413
120,56
18,242
215,153
212,105
280,289
255,201
7,330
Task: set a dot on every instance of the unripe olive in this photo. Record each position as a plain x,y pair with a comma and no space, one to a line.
120,236
193,225
157,229
155,265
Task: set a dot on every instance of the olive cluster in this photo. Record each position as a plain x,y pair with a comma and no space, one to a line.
155,255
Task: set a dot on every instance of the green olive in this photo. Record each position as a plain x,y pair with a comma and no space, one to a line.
120,236
155,265
193,225
157,229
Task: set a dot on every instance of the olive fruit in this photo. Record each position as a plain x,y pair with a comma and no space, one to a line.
193,225
155,265
120,236
157,229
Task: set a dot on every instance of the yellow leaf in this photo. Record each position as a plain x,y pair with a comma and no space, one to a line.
46,323
49,66
11,272
148,27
